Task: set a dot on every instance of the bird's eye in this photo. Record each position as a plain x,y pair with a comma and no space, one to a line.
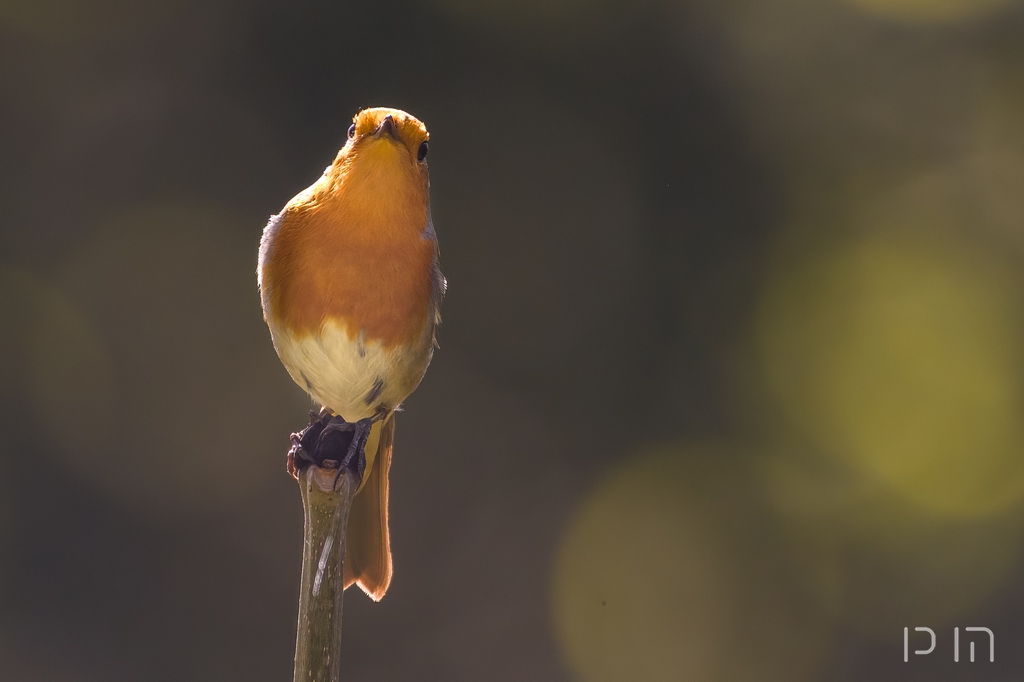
352,131
422,154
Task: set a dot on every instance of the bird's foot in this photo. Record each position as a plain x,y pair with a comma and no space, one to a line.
330,442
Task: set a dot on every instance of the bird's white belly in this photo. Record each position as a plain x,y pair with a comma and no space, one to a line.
348,374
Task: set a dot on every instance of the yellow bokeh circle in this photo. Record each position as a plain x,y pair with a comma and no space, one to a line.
663,575
901,352
638,594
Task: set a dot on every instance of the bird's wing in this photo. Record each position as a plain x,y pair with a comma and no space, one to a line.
368,545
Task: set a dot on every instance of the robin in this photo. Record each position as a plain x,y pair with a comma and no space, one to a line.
351,291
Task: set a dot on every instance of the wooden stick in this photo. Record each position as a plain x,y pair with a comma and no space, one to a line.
326,504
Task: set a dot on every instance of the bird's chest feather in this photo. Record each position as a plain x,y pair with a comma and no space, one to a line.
355,377
351,312
379,285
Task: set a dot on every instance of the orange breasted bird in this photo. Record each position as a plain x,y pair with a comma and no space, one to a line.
351,291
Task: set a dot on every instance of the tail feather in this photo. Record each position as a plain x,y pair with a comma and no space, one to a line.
368,545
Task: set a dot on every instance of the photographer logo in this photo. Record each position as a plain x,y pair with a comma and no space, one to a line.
956,643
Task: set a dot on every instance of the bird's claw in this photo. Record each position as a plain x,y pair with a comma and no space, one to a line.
313,446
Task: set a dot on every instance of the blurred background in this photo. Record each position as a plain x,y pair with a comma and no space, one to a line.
731,379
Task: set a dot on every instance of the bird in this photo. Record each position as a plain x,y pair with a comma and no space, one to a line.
351,290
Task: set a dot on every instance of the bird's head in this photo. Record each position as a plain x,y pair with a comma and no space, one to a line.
378,129
385,154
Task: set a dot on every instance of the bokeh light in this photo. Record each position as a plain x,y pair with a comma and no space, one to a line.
891,342
642,592
145,382
657,579
52,357
899,350
929,11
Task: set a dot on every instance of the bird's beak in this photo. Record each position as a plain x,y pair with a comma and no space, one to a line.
387,127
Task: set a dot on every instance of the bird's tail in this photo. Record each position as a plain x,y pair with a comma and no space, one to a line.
368,545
